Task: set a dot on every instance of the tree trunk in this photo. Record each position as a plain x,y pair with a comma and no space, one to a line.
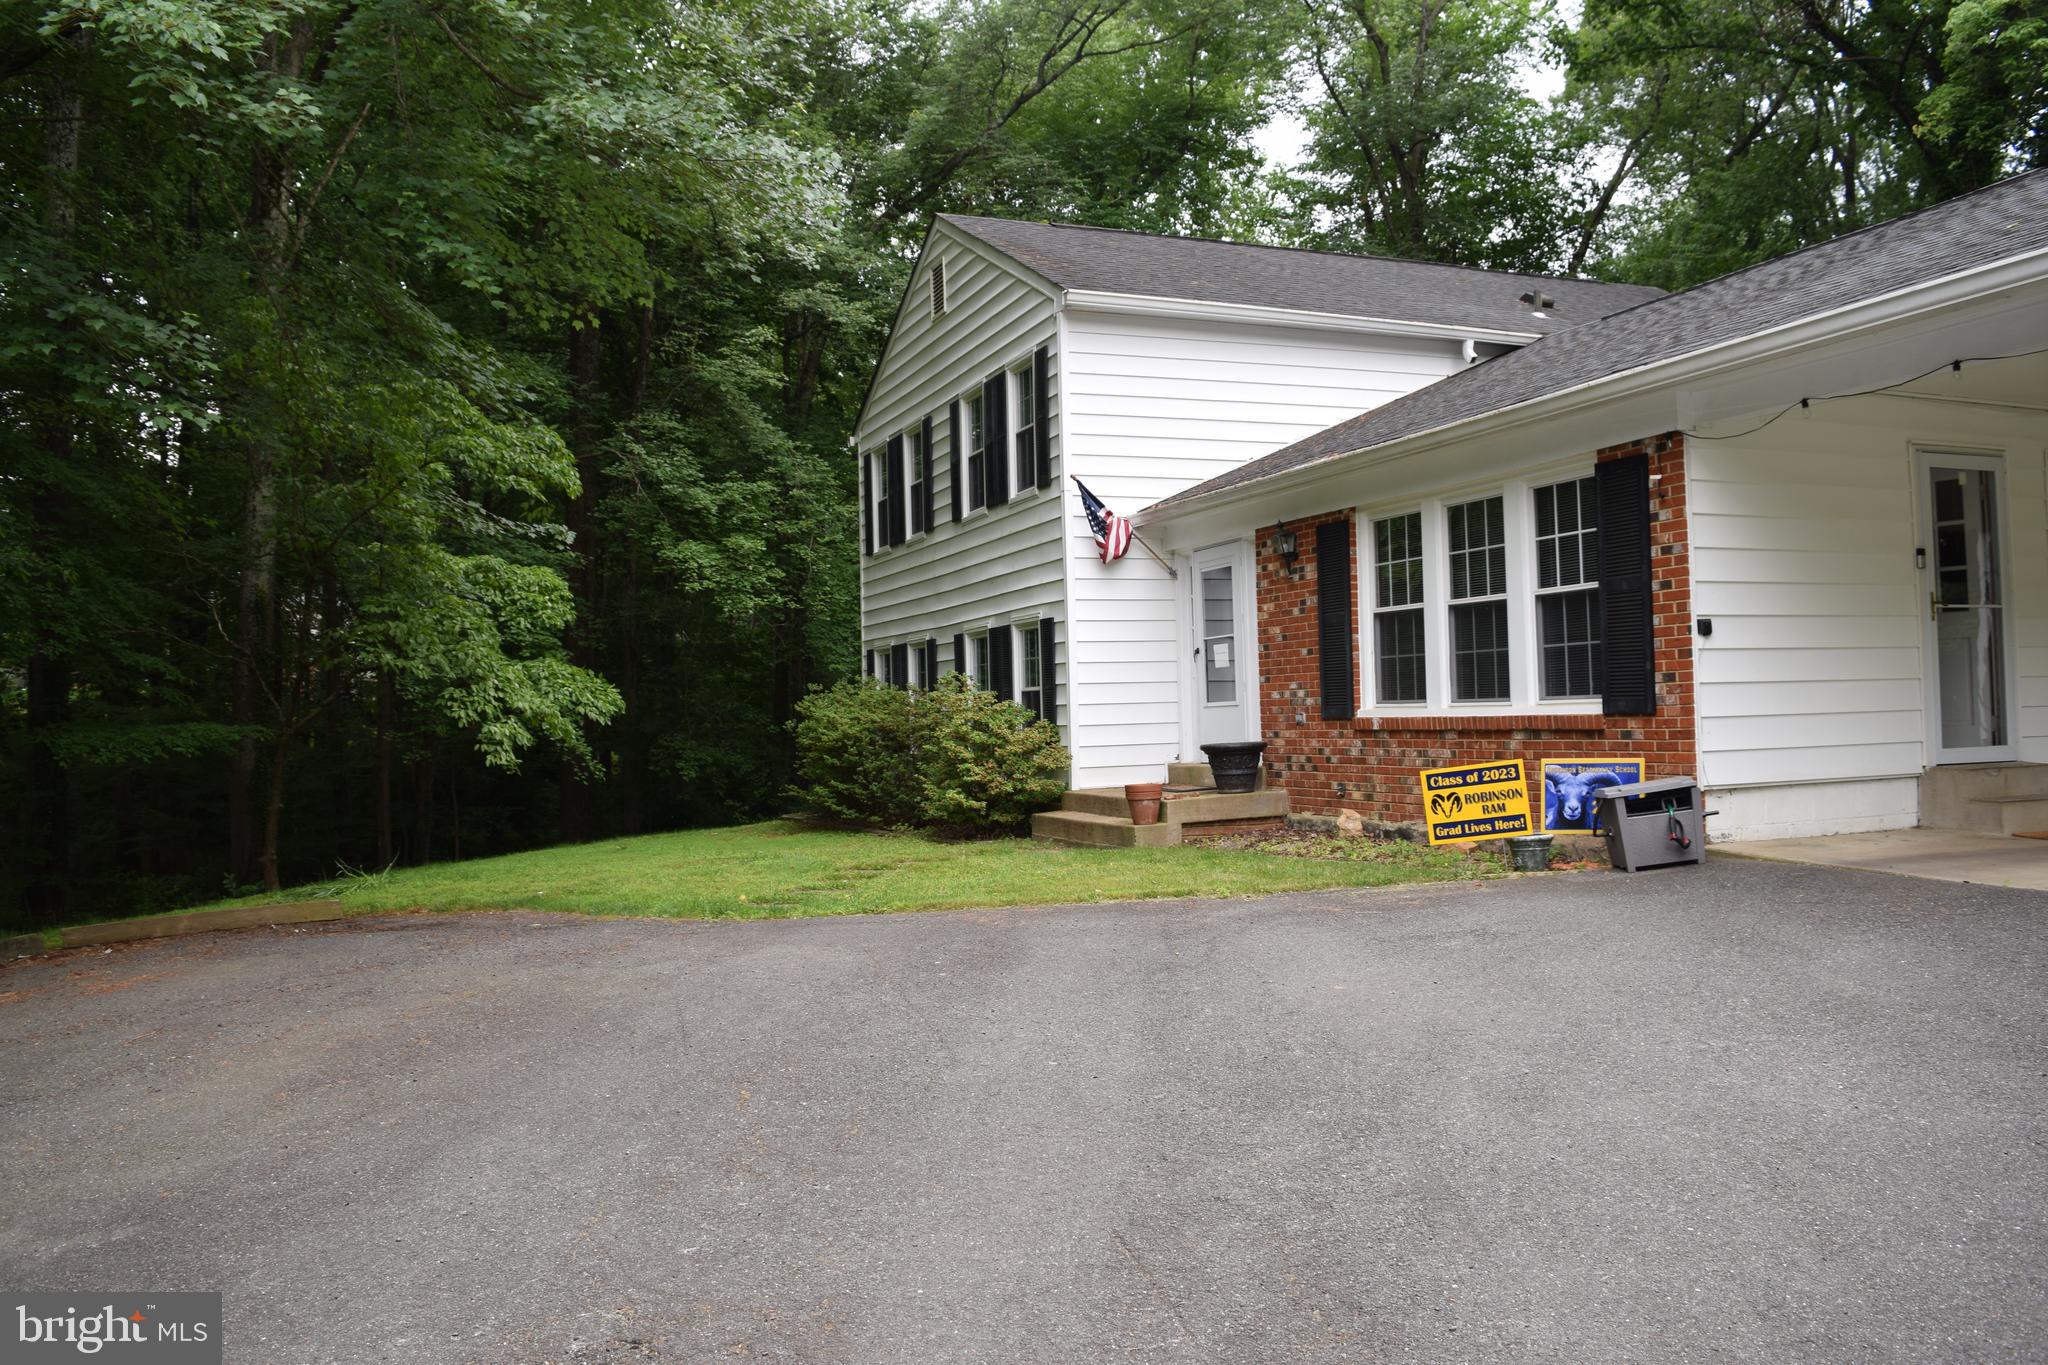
584,356
284,55
273,811
386,706
254,627
47,797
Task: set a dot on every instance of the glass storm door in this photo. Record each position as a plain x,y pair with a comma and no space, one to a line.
1969,646
1222,683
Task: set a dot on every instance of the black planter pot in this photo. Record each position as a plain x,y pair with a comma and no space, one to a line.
1236,766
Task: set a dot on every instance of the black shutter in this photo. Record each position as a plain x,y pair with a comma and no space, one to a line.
1048,671
1001,673
1627,589
931,663
1041,370
959,439
899,665
924,456
1333,618
995,427
871,664
867,505
892,478
959,652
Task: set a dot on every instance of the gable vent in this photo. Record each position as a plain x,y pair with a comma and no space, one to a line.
939,288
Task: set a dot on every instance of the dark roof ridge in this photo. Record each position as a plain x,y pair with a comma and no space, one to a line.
1798,251
1301,250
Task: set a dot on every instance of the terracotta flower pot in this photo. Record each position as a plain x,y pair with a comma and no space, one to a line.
1143,799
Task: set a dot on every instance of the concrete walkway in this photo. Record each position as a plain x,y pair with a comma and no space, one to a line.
1948,855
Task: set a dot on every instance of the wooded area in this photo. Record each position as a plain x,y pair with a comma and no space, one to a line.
426,421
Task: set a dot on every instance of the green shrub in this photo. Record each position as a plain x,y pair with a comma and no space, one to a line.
982,763
856,753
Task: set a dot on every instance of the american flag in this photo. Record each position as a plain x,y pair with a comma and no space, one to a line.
1112,532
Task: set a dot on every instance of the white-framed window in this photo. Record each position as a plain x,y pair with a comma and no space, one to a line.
1567,534
878,487
1486,599
913,479
977,649
1030,669
1476,543
1399,654
977,443
1023,421
924,661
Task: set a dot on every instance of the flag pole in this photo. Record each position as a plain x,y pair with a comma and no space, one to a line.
1171,572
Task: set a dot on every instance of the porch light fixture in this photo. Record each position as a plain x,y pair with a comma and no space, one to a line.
1285,544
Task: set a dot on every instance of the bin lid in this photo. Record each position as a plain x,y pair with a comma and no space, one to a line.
1656,784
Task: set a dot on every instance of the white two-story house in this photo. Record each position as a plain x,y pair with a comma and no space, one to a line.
1025,356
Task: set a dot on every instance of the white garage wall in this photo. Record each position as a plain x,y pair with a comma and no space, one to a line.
1811,693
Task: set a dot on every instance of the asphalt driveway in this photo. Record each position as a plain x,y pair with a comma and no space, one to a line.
1748,1111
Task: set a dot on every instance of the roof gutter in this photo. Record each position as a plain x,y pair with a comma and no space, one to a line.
1835,324
1147,305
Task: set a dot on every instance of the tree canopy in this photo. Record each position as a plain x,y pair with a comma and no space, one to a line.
425,424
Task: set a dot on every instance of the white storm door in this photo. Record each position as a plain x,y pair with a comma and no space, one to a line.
1970,658
1223,679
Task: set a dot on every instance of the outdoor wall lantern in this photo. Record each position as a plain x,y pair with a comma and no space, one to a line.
1284,543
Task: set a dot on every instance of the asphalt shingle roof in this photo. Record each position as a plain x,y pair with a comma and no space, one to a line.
2000,221
1118,262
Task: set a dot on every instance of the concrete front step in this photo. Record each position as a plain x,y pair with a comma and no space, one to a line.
1101,831
1101,816
1991,798
2010,815
1182,807
1199,775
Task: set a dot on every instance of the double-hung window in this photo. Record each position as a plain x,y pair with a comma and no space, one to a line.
1027,432
977,646
977,444
1400,664
1476,535
881,494
913,477
1030,670
1567,588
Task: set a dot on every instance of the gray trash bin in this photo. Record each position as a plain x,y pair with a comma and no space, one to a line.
1652,824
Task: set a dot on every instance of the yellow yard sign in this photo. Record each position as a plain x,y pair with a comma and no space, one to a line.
1476,801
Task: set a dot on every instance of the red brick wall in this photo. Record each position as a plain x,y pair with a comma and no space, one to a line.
1369,764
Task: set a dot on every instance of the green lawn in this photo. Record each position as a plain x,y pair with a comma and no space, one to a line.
777,868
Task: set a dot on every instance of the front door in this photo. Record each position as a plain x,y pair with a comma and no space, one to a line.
1969,632
1223,683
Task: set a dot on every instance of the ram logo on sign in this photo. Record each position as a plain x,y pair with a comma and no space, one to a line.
1476,801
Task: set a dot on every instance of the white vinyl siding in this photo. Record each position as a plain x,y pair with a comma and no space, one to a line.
1152,406
1803,537
994,566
